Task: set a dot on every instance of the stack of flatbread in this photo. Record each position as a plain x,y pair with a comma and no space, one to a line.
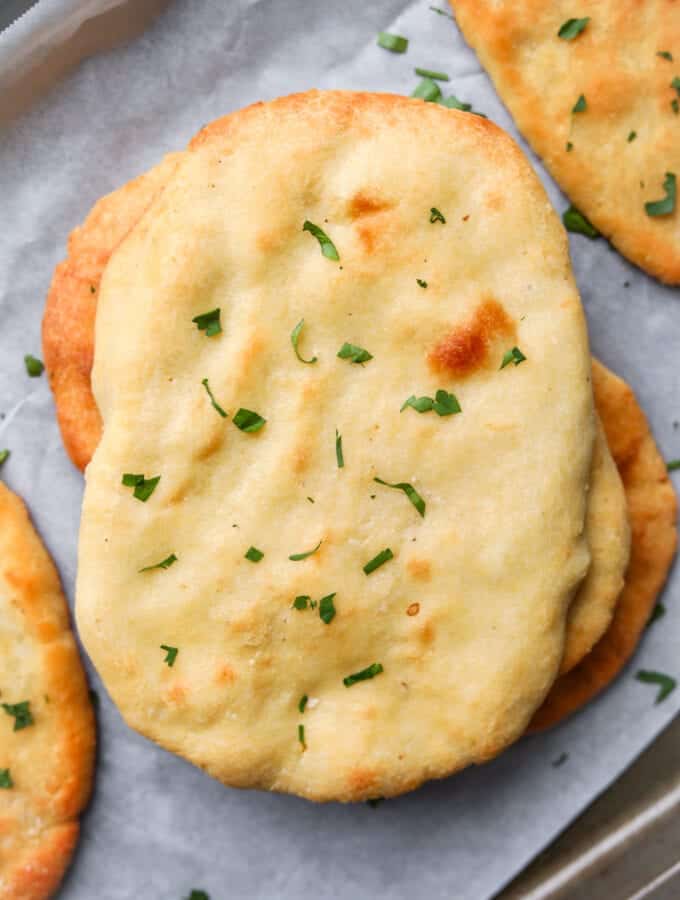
360,509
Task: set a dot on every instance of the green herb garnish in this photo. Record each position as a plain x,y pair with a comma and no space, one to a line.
435,76
427,90
5,779
667,205
441,12
570,146
294,338
658,612
572,28
21,712
143,487
576,222
444,404
421,283
303,702
410,492
327,609
676,84
164,564
665,682
296,557
675,105
208,322
513,356
301,602
436,216
170,654
664,54
581,105
198,895
374,802
216,405
632,136
247,420
377,561
354,353
364,675
394,42
4,456
326,244
673,464
253,554
301,736
34,366
338,450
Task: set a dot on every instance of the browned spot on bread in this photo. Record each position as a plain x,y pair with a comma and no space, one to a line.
300,459
225,674
495,201
362,204
419,568
203,451
361,780
413,609
176,694
368,237
466,348
426,633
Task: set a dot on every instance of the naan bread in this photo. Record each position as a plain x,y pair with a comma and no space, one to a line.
467,620
626,140
653,514
46,719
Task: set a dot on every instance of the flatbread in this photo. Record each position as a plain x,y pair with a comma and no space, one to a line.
653,512
615,63
467,620
48,763
69,351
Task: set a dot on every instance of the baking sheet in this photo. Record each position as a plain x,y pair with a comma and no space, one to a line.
158,827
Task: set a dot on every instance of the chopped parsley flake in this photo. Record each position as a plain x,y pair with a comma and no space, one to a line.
394,42
247,420
427,90
170,654
4,456
444,404
577,223
303,703
572,28
667,205
296,557
21,712
301,736
453,102
143,487
198,895
209,322
570,146
373,802
421,283
441,12
410,492
215,404
253,554
377,561
354,353
632,136
163,564
34,366
327,609
429,73
294,338
513,356
581,104
326,244
436,216
658,612
665,682
676,85
664,54
364,675
5,779
301,602
673,464
338,450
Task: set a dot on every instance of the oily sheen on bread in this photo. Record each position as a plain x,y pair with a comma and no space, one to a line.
614,154
438,658
68,338
46,719
652,505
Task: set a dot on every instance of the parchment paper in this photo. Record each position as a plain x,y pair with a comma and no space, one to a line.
157,826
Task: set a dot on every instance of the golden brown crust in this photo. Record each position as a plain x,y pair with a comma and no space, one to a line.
615,63
50,762
652,506
68,323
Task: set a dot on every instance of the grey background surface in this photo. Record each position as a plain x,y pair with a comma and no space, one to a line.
157,826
